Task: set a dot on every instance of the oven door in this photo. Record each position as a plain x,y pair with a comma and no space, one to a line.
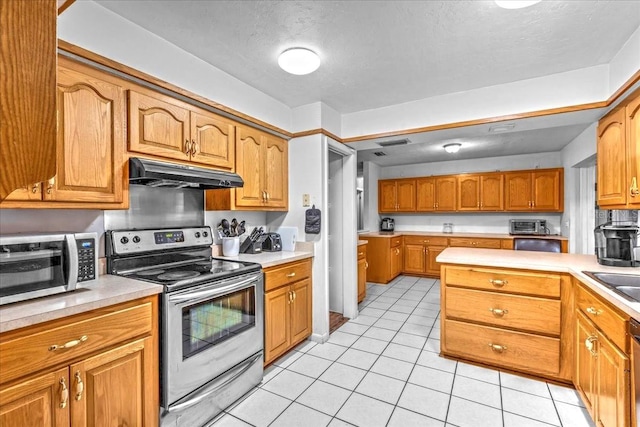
209,329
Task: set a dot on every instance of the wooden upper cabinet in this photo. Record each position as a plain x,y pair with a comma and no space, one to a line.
249,143
492,192
27,93
397,195
518,188
159,125
633,152
469,193
275,172
213,140
612,159
446,193
540,190
91,140
425,194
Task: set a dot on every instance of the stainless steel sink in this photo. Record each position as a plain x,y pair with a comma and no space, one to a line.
627,285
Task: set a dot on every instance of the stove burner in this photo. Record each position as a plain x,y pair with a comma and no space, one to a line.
177,275
150,272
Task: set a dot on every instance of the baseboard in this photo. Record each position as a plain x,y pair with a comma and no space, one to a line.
320,338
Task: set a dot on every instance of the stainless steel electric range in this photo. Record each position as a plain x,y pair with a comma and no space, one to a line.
211,324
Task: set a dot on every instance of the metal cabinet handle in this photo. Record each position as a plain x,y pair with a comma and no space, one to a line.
633,190
366,265
499,312
187,147
264,196
294,295
498,282
64,394
35,188
50,185
291,274
589,343
594,311
194,148
360,253
70,344
289,297
79,385
533,204
497,348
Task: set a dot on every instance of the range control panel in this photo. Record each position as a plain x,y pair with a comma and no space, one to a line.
86,259
134,241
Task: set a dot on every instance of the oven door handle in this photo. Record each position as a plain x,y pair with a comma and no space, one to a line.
226,378
212,292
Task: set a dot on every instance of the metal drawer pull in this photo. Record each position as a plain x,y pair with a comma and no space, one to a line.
498,282
497,348
194,148
594,311
366,264
499,312
289,297
79,386
187,147
69,344
360,253
294,295
634,187
291,274
64,394
589,343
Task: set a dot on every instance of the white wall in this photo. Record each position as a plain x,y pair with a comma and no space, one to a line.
99,30
371,175
625,63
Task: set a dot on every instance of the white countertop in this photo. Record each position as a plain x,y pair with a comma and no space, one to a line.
573,264
271,259
107,290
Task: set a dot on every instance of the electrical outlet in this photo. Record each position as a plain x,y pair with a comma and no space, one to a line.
306,200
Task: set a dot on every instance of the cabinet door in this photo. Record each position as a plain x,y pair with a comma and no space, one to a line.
546,191
387,200
36,401
30,192
213,140
613,405
468,193
425,194
301,310
91,140
584,377
633,153
275,172
446,194
518,188
396,262
414,258
117,383
612,159
433,267
492,192
362,279
158,126
249,164
406,195
276,322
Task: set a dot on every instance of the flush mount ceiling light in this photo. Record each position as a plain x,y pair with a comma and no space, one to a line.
515,4
452,148
299,61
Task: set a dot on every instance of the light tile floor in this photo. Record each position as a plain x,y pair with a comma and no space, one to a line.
383,369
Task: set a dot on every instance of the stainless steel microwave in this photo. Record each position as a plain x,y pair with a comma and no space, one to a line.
528,226
33,266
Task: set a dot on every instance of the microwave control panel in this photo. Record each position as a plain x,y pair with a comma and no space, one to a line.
86,259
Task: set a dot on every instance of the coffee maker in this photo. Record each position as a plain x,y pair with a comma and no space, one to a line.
617,245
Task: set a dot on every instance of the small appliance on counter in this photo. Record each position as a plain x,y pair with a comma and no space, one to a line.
528,226
387,224
617,244
272,242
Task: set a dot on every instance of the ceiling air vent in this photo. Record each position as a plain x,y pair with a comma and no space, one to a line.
380,153
394,142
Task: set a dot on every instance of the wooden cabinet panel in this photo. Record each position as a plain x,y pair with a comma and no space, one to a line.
516,282
275,172
433,267
119,374
362,272
397,195
386,196
426,240
468,192
35,401
414,259
607,319
611,162
248,166
276,323
633,151
547,193
425,194
584,376
475,243
283,275
31,192
27,93
159,125
518,189
406,195
492,192
446,193
301,311
396,261
613,407
91,139
213,140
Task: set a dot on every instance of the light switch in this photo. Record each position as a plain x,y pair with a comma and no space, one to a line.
306,200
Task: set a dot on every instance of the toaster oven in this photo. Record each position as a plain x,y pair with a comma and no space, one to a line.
528,226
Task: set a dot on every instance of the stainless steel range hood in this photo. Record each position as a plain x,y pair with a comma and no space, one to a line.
172,175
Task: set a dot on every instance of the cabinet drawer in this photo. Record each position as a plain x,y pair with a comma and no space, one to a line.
475,243
538,315
517,350
104,328
520,282
286,274
395,241
426,240
603,316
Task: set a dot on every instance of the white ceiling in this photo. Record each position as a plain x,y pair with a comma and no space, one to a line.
380,53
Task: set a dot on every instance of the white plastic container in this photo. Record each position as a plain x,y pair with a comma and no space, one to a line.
230,246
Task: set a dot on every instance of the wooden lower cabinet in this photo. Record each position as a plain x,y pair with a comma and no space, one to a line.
602,369
287,307
92,383
420,253
362,272
384,258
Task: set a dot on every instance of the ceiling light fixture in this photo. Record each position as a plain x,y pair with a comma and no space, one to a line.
515,4
452,148
299,61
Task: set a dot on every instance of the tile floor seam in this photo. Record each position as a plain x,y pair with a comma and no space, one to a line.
446,417
529,418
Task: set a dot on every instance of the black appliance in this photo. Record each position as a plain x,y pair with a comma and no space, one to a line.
211,323
387,224
173,175
617,244
272,242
